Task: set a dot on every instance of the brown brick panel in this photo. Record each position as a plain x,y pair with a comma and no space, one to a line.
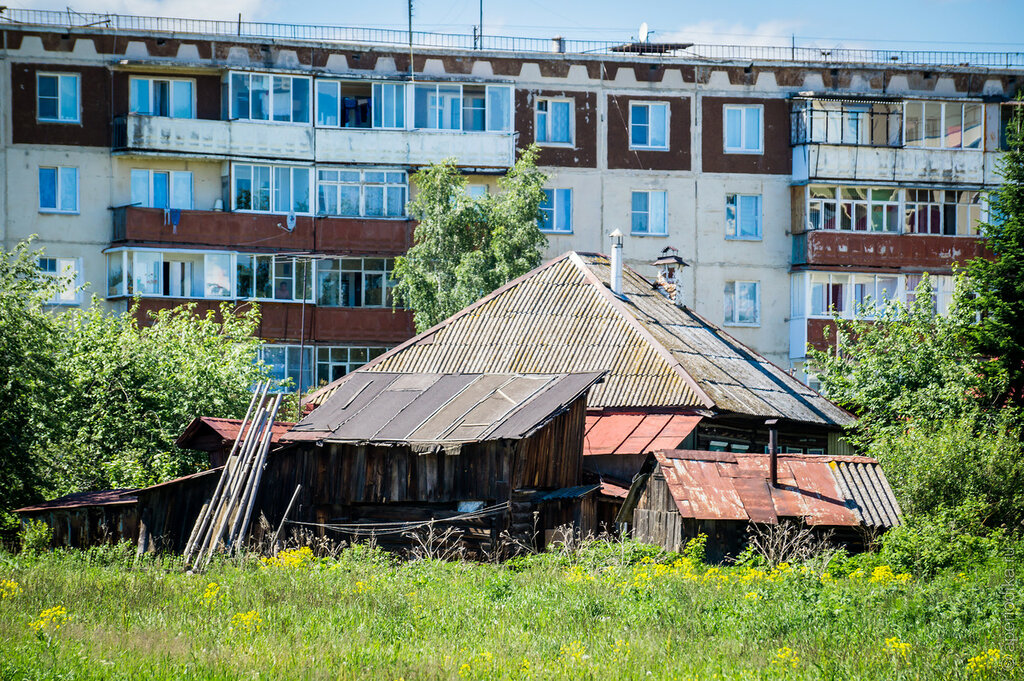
777,158
584,154
677,157
262,233
94,128
893,251
334,325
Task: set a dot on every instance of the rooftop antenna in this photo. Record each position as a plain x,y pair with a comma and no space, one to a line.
644,32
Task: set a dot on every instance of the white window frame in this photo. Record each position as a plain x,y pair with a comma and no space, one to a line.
338,83
238,294
536,121
363,184
69,293
273,168
78,97
942,122
735,303
61,172
308,365
737,220
270,76
405,108
650,232
437,111
553,194
650,106
364,271
350,365
509,124
744,110
170,92
171,184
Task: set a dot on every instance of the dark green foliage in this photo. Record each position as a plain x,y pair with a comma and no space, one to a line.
467,247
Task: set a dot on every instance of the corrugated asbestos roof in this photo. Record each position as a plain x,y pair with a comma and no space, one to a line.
822,490
107,497
437,408
636,433
562,317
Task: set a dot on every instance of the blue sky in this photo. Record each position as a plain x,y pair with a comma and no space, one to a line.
989,25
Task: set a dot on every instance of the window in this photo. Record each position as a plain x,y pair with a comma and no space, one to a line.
499,108
649,213
474,107
271,189
648,125
162,189
389,105
743,216
57,96
933,211
742,302
743,128
828,294
58,190
270,277
853,208
556,209
554,121
924,211
438,106
366,193
343,105
333,363
354,282
942,291
263,97
291,363
65,270
476,191
945,125
161,97
871,293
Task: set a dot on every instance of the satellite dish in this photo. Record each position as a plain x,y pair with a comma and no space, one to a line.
644,31
291,221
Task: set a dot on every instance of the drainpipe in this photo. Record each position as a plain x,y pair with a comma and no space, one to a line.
773,450
616,276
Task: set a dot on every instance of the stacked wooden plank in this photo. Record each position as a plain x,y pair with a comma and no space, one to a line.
224,519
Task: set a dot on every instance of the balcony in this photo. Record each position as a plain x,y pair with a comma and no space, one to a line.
833,248
254,232
309,323
415,147
829,163
234,139
198,137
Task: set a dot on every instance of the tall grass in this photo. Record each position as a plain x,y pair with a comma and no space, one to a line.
615,611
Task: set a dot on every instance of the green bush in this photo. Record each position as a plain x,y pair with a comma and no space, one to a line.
36,536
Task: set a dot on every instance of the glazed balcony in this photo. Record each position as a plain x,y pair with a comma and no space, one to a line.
254,139
260,232
832,163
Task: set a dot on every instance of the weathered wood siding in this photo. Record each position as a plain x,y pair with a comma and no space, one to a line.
168,513
89,525
656,519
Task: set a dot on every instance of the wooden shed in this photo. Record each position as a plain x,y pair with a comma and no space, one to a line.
679,494
87,518
388,453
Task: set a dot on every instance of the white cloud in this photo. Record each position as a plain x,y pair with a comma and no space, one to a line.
724,33
252,10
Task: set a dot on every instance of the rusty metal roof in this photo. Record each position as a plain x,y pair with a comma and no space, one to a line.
820,490
562,317
207,433
440,408
107,497
626,433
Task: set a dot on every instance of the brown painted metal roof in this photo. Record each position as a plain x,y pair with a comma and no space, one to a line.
437,408
207,433
822,490
107,497
562,317
625,433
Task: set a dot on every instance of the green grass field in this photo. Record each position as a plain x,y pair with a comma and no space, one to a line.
618,611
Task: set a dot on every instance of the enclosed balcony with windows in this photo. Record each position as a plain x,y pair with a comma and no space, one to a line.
889,139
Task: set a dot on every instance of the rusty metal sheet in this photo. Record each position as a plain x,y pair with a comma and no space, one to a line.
725,502
819,495
757,499
108,497
675,431
609,432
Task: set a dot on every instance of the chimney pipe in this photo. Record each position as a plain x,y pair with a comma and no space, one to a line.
616,277
773,450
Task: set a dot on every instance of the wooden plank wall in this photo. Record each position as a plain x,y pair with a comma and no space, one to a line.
553,456
168,513
89,525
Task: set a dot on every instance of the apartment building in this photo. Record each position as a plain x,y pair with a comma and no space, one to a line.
210,161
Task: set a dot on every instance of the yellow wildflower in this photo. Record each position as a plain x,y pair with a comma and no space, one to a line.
897,648
574,653
621,649
752,596
246,623
577,574
981,665
293,558
50,620
212,595
9,589
786,657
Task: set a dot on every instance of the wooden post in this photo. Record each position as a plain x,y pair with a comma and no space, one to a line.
287,511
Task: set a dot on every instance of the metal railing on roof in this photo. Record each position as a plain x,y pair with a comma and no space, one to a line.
69,19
